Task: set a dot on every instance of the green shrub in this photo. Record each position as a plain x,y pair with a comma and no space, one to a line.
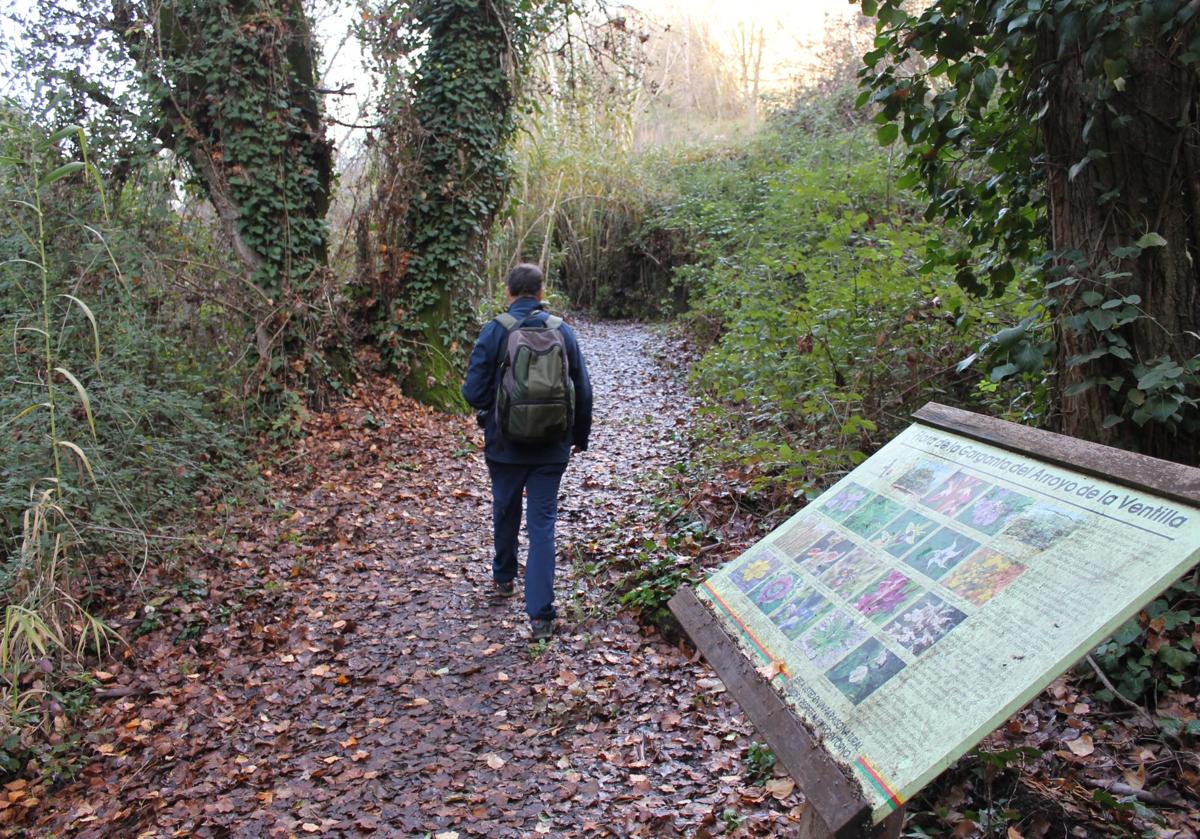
104,410
821,331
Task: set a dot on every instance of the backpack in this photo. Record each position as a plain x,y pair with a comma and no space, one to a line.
535,397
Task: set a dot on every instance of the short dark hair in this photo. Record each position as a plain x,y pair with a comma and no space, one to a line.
525,280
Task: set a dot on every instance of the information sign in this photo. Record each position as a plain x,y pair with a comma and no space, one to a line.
941,585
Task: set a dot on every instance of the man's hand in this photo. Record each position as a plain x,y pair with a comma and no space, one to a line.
577,449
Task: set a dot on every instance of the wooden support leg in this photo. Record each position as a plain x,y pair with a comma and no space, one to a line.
890,827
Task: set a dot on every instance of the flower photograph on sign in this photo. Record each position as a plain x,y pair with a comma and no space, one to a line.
887,596
851,572
770,595
903,532
846,501
983,576
872,515
923,625
957,492
755,568
941,552
994,510
831,638
922,477
865,670
1042,525
800,612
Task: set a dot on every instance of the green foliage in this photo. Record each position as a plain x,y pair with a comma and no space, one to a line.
652,586
238,75
583,195
105,425
1154,653
228,89
821,330
1014,114
758,763
657,573
239,79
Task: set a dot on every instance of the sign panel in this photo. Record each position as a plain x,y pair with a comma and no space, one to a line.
940,586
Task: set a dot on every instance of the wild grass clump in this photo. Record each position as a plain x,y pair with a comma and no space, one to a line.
106,429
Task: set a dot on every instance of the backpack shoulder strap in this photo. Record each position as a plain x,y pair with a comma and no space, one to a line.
507,321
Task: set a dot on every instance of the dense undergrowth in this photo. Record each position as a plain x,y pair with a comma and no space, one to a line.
111,386
820,332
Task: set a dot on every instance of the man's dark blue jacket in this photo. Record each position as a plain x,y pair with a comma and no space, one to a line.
479,390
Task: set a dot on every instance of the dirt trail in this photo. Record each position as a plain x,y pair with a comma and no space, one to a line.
337,665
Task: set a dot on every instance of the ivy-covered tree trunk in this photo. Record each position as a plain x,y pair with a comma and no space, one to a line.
1123,181
1061,141
235,86
442,177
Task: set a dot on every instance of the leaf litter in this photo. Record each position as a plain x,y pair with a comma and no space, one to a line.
337,666
345,669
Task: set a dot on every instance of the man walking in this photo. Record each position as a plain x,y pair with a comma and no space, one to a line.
527,443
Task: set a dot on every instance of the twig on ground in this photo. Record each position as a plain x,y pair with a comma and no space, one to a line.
1118,788
1141,712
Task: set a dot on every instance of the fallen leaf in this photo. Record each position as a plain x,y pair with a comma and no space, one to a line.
1082,745
1136,778
780,787
773,669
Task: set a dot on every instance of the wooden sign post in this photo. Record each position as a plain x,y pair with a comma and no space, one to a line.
893,623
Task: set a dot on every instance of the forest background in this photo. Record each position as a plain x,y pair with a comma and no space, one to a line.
206,240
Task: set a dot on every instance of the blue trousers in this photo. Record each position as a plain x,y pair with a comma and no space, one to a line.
540,482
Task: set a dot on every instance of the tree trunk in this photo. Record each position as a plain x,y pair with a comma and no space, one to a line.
443,175
236,90
1147,181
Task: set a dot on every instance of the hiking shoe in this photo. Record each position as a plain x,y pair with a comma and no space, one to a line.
505,588
542,628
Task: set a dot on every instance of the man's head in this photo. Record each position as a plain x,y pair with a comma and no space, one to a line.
525,280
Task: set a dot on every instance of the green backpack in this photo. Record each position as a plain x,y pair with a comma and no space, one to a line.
535,397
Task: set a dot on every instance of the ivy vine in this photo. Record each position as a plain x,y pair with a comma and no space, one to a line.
1059,139
452,73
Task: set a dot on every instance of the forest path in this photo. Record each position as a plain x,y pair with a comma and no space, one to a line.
337,664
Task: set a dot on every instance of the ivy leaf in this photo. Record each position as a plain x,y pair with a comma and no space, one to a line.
1084,358
1162,406
1151,240
1148,381
1175,658
1028,357
1113,419
888,133
985,84
1003,371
